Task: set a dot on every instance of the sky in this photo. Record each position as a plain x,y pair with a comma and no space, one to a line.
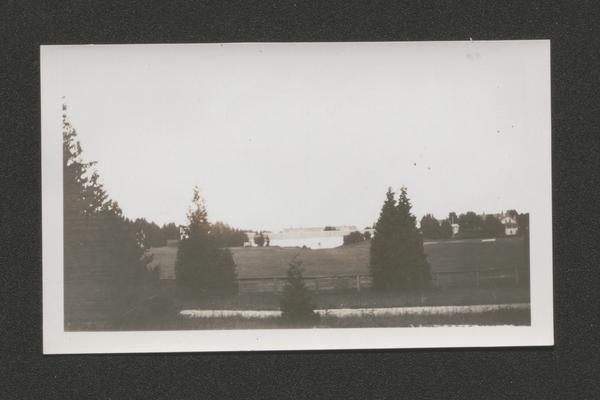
302,135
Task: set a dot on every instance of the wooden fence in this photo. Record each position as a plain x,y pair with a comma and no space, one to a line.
467,278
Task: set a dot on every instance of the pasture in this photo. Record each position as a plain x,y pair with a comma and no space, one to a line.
262,269
447,258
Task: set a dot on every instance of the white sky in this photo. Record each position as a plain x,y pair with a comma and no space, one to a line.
282,135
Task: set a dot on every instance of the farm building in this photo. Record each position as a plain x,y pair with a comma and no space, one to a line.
312,238
455,229
508,219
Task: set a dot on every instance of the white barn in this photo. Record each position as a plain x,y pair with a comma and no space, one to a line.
313,238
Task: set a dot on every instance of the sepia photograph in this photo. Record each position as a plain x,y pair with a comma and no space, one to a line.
296,196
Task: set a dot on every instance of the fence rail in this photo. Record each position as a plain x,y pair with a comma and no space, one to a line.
359,282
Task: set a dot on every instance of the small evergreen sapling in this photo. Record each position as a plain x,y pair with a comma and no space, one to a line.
296,304
354,237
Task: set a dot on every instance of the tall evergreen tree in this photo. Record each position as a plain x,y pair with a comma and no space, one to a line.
104,267
397,256
201,264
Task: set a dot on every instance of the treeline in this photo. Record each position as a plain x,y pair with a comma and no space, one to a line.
471,225
226,236
150,234
431,228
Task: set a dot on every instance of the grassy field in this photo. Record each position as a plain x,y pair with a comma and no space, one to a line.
443,256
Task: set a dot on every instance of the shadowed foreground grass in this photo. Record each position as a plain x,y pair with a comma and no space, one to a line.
499,317
152,319
365,299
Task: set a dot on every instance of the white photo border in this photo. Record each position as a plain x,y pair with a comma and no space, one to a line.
57,341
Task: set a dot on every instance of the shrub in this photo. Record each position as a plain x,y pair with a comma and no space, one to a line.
353,237
259,239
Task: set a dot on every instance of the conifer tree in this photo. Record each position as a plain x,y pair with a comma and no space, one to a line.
104,267
201,264
296,304
397,256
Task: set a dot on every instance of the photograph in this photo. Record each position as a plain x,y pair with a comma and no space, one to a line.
296,196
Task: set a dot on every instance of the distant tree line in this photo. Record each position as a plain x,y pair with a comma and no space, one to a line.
433,229
226,236
151,234
471,225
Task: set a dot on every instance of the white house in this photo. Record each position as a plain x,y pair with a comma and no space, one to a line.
510,225
455,229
